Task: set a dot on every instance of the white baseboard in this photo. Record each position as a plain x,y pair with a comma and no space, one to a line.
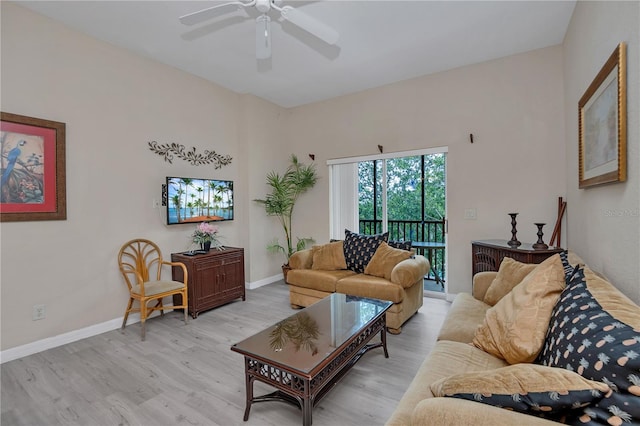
93,330
71,336
55,341
263,282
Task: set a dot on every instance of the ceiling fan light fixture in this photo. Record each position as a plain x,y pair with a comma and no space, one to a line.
263,37
263,6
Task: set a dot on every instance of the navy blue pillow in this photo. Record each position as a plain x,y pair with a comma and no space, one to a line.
569,269
359,249
585,338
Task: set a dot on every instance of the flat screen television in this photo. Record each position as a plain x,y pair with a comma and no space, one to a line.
193,200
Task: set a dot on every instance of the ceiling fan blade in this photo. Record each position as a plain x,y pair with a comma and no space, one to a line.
263,37
309,24
212,12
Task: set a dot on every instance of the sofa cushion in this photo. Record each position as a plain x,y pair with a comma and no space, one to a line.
528,388
446,358
370,286
318,280
462,320
595,331
510,274
358,249
329,257
515,328
384,260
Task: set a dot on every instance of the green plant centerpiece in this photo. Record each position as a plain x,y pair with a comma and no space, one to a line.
285,191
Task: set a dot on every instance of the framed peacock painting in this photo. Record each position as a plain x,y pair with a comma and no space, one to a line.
32,167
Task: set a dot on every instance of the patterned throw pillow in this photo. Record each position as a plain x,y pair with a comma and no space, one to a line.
569,269
601,344
542,391
359,249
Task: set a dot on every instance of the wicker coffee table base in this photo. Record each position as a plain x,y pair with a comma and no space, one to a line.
305,391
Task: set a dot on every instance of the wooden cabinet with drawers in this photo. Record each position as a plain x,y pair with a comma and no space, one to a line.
215,278
488,254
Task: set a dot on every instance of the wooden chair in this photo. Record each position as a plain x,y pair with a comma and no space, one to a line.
141,265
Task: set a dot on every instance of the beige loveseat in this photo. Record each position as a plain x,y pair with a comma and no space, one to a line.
390,275
456,361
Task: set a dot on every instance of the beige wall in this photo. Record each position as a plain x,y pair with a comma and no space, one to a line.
514,108
267,150
113,103
604,221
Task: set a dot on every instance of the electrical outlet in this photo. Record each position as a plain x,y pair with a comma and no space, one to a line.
470,214
156,204
39,312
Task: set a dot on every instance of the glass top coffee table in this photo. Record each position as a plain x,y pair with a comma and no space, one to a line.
304,355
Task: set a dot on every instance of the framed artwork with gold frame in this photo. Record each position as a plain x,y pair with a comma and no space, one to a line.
602,124
33,180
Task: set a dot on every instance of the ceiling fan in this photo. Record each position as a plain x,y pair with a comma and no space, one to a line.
263,22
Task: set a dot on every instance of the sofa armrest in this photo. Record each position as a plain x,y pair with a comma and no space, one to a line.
455,411
481,282
407,272
302,259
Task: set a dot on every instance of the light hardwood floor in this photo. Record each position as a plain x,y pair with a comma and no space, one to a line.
187,375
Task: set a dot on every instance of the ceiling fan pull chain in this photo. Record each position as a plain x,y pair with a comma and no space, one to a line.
263,37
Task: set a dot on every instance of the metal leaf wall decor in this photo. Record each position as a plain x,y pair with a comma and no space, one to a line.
168,150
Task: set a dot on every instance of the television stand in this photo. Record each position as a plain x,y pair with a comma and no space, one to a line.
215,277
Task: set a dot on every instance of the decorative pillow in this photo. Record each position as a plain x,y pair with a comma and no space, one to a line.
569,269
527,388
514,329
595,331
384,260
359,249
510,274
329,257
402,245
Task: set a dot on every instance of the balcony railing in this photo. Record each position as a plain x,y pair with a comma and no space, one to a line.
413,230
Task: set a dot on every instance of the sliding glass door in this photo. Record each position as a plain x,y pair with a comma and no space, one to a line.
403,194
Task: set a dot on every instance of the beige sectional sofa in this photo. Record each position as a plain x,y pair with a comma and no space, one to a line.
390,275
589,320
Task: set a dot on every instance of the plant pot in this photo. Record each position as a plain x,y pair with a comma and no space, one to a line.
205,246
285,270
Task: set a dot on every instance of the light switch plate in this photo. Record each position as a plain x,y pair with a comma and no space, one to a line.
470,214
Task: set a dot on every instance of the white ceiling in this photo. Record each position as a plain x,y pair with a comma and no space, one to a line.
380,41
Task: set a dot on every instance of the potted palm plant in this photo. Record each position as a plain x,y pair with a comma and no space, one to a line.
285,190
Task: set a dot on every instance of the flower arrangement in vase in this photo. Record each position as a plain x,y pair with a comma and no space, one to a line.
206,235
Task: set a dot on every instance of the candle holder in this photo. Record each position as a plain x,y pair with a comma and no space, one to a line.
513,242
540,245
